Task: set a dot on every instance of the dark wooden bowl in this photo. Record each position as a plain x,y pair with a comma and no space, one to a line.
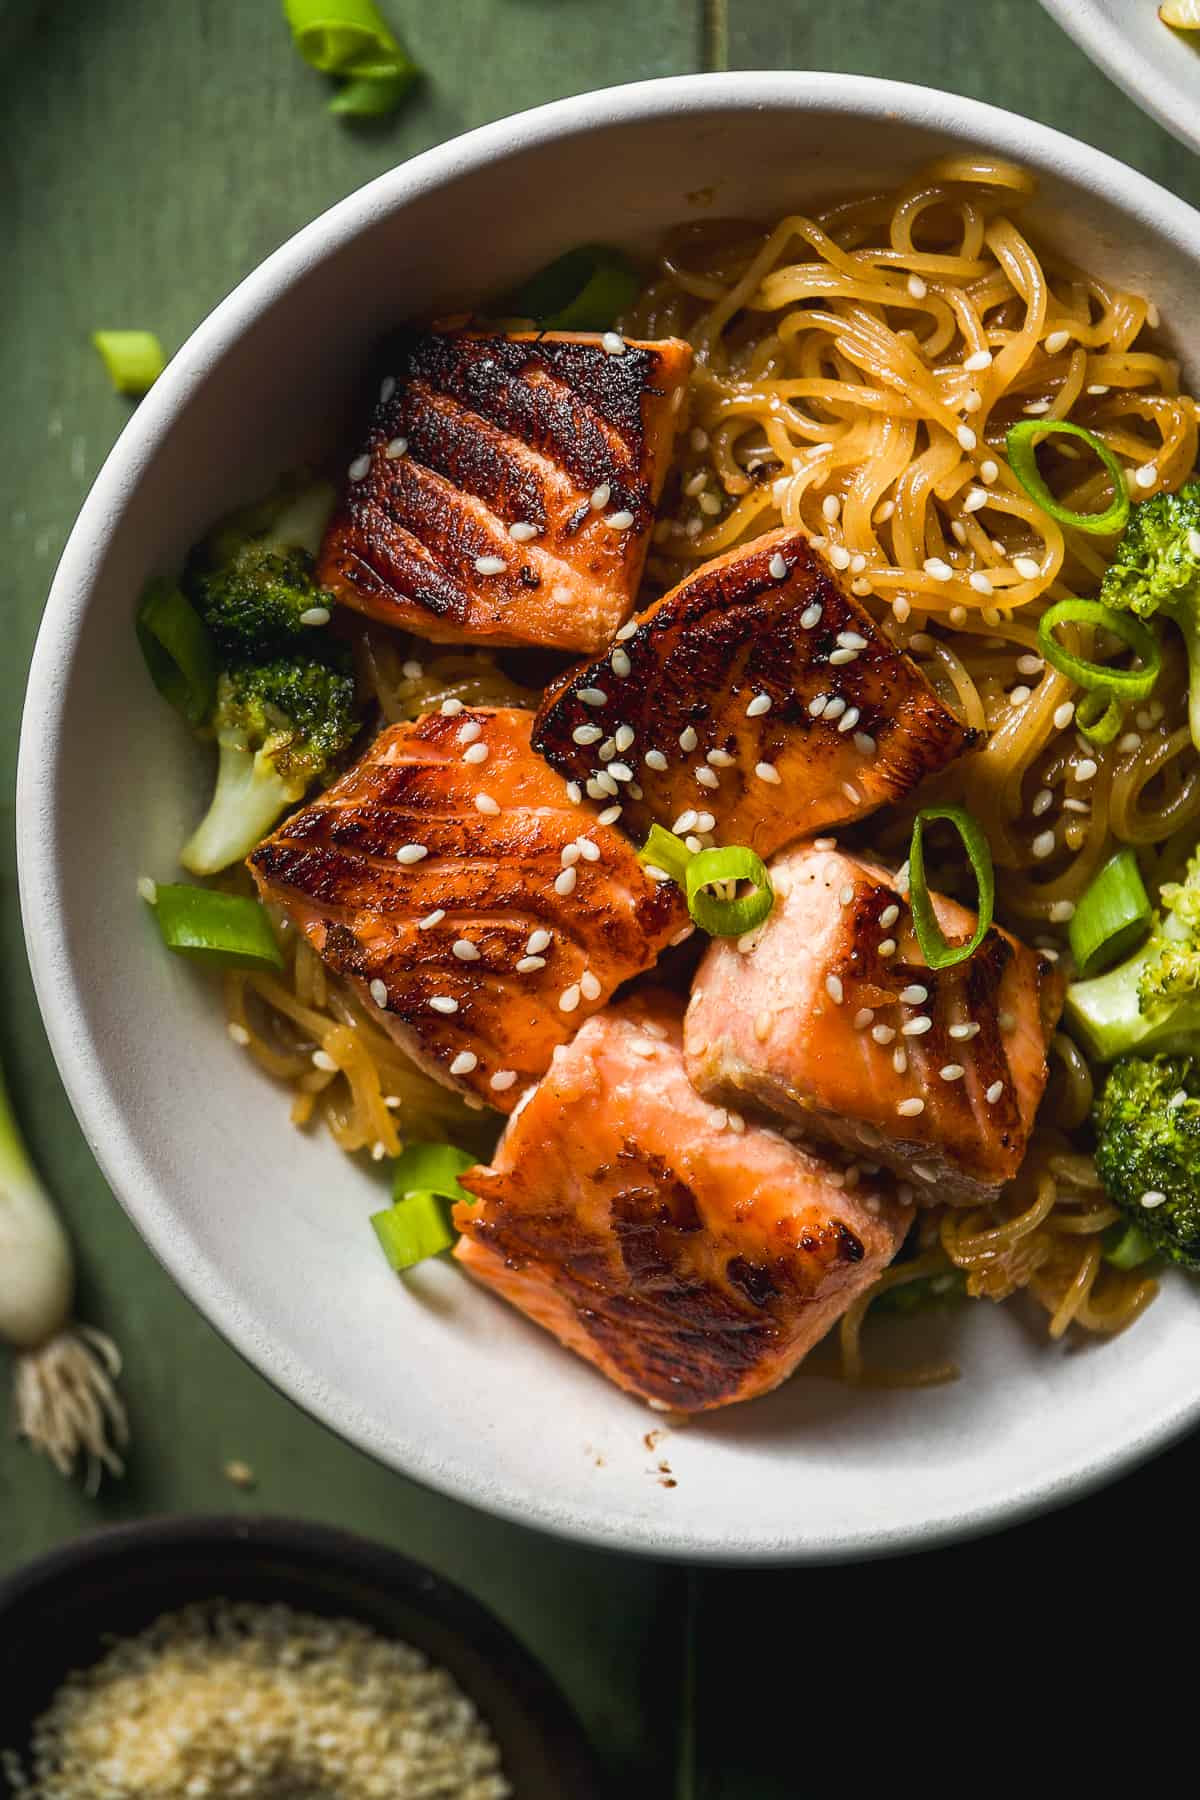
56,1613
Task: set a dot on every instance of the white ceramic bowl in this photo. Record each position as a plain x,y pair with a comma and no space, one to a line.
266,1230
1157,67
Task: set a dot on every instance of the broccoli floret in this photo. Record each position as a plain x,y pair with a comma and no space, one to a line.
252,579
1150,1003
1148,1149
1157,570
280,726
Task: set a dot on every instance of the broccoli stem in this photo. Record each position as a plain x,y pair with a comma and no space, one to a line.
1107,1017
248,798
1188,620
301,524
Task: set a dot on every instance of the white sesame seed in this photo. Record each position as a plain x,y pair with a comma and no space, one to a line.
315,615
568,1000
975,499
1129,743
620,771
1178,1099
387,388
359,467
574,793
378,992
851,640
861,587
989,472
966,437
720,759
1035,408
1027,567
1063,715
941,571
698,439
884,512
654,759
1193,542
450,709
465,950
1043,844
1057,340
887,947
863,1017
900,1060
412,853
443,1003
768,772
1019,696
592,696
980,582
710,504
917,1027
1098,387
1085,769
994,1092
601,496
840,658
464,1062
777,567
811,616
1146,476
979,359
817,705
849,720
708,778
917,287
687,738
951,1071
147,889
618,521
539,940
523,530
972,400
589,851
883,1034
565,882
612,343
395,448
586,734
595,791
485,804
624,737
469,732
238,1033
909,1109
833,987
694,845
589,985
621,664
503,1079
839,556
705,821
490,565
627,631
1152,1198
431,919
1152,315
916,995
831,506
529,965
475,753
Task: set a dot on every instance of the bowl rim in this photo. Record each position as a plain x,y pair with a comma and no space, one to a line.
1107,44
79,1061
305,1546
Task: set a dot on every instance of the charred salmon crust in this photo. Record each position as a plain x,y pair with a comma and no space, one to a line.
692,1265
507,487
762,693
834,1023
483,938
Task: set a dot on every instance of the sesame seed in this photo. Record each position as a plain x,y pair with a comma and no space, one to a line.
623,737
900,1060
1098,387
522,530
412,853
601,496
831,506
972,400
884,512
568,1000
958,615
817,705
574,793
1152,1198
811,616
989,472
529,965
469,732
378,992
959,530
464,1062
450,709
315,615
1058,340
980,582
708,778
589,985
1028,567
565,882
861,587
685,822
621,664
966,437
475,753
443,1003
1193,542
1019,696
1035,408
1146,476
620,771
596,792
720,759
777,567
917,287
1130,742
654,759
863,1017
768,772
916,995
589,851
864,743
489,565
359,467
1061,911
710,504
883,1034
961,1033
694,845
909,1109
839,556
1030,665
387,388
887,947
849,719
951,1071
994,1092
619,521
840,658
917,1027
833,987
1063,715
705,821
688,739
979,359
431,919
465,950
586,734
238,1033
975,499
395,448
612,343
1043,844
147,889
592,696
941,571
1085,769
760,704
485,804
851,640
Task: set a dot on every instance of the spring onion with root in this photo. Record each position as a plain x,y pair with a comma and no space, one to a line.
66,1400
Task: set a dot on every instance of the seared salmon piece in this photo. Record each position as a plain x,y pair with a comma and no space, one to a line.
834,1023
481,912
507,487
692,1259
758,693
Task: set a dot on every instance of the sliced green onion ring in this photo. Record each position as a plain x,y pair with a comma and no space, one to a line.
226,930
134,359
413,1230
350,38
1126,1246
728,918
1127,684
1098,716
937,951
178,650
1113,915
585,289
433,1169
1022,442
663,850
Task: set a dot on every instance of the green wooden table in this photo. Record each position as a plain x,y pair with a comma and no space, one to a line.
153,151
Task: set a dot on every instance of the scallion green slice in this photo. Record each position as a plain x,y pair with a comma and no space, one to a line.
1126,1246
178,650
227,930
663,850
937,951
1098,716
434,1169
1123,684
351,39
413,1230
134,359
1112,917
1022,442
583,290
728,918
